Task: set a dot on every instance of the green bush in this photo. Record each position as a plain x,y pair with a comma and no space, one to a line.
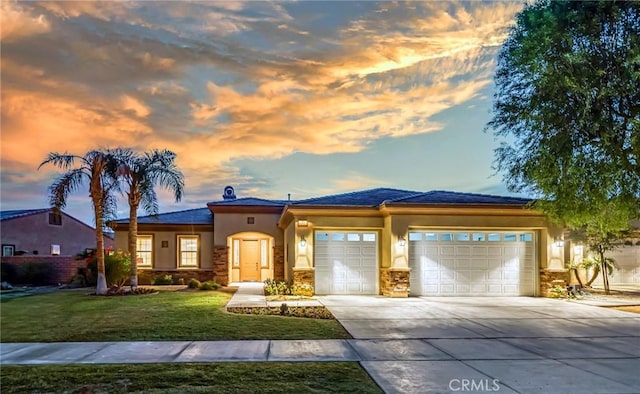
35,273
117,268
273,287
162,280
194,283
210,285
8,273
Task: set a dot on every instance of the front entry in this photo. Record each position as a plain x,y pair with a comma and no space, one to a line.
250,260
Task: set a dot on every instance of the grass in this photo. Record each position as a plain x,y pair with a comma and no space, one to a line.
347,377
74,316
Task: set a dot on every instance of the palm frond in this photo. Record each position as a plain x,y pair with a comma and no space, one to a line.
149,199
63,161
64,185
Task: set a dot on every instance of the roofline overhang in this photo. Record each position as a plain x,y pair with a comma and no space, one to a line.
448,209
163,227
245,209
292,211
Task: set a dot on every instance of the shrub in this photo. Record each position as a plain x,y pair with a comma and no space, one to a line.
117,268
162,280
8,273
181,281
194,283
272,287
302,290
35,273
209,285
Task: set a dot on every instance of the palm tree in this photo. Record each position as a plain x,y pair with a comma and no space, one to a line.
141,173
91,169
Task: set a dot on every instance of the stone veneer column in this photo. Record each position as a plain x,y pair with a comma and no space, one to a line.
278,262
395,282
550,278
221,264
304,276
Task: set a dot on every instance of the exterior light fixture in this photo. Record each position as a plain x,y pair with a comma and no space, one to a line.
302,223
402,241
559,241
303,242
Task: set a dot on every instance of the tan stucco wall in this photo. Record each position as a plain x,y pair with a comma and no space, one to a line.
34,233
167,258
227,224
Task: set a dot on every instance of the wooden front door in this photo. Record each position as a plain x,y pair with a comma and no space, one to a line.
249,260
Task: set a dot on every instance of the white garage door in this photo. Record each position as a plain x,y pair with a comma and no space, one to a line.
346,262
627,259
472,263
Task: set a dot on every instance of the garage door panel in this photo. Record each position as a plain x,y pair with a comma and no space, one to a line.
476,262
346,263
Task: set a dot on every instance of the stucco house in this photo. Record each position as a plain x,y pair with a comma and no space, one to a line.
379,241
45,232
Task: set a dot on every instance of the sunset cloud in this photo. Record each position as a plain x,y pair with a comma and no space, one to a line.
219,82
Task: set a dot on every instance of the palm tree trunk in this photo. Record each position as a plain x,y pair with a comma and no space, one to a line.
605,271
133,243
101,284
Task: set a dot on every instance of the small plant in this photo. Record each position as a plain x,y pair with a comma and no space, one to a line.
117,269
162,280
558,291
304,289
181,281
210,285
143,290
194,283
273,287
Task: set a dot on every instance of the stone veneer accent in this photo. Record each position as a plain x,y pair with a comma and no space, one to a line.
551,278
394,282
145,276
304,276
221,264
278,262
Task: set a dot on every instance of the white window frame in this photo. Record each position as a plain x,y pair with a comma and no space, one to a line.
195,253
140,260
264,253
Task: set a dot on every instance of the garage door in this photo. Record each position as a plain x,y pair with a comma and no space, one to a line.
346,262
627,259
472,263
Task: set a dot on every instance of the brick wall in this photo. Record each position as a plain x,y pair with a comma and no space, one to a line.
63,268
221,264
278,262
394,282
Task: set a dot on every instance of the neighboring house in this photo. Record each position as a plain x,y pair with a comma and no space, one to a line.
45,232
379,241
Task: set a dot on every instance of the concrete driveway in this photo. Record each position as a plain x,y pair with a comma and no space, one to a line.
504,344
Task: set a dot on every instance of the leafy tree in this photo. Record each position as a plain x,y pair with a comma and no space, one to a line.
567,112
91,169
141,173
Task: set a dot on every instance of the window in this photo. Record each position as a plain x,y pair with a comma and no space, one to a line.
55,218
322,237
510,238
188,251
353,237
8,250
494,238
478,236
236,253
526,237
463,236
415,236
431,236
446,237
55,250
367,237
144,245
337,237
264,257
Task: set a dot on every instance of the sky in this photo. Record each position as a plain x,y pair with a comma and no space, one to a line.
305,98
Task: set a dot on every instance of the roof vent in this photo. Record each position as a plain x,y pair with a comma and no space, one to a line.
229,193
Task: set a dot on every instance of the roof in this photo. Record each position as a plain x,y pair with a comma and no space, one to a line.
7,215
456,198
189,216
367,198
250,202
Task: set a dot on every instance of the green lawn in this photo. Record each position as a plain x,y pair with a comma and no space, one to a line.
190,378
70,316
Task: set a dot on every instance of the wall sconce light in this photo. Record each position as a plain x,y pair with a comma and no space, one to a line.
559,241
401,241
302,223
303,242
